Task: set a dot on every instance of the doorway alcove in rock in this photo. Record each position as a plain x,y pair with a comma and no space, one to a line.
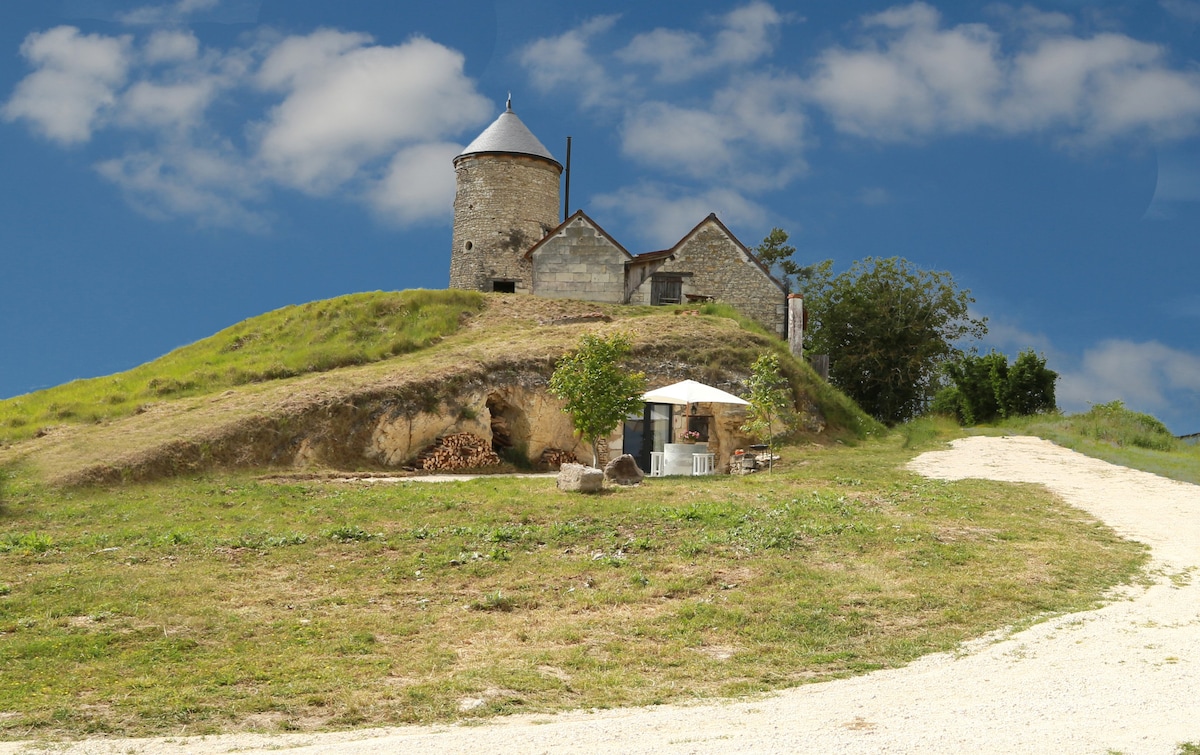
510,429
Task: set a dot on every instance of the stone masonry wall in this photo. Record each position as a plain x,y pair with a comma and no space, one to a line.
579,263
721,269
503,204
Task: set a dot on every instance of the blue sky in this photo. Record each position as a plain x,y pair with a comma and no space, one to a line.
171,169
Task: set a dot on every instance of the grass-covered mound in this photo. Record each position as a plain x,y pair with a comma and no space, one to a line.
454,342
315,337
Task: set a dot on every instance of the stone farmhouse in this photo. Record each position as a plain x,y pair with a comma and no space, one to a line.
508,237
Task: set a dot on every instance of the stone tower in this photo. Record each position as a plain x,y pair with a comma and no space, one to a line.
506,200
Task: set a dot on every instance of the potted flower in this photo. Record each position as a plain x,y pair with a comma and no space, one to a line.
689,436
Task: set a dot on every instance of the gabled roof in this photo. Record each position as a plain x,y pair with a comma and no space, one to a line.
712,218
664,254
508,135
578,215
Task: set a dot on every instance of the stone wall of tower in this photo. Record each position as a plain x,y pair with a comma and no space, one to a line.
503,205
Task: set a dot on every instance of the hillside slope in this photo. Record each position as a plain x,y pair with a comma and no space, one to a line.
330,418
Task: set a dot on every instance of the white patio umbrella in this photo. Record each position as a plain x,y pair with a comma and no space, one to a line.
690,392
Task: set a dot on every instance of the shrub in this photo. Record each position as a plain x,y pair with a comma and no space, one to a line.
1113,423
985,388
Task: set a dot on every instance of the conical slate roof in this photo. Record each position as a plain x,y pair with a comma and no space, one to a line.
508,134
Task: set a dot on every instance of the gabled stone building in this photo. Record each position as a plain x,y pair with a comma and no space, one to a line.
507,238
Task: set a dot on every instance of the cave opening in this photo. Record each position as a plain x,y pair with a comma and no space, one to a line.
510,430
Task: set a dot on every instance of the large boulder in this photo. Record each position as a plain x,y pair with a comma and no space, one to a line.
577,478
624,470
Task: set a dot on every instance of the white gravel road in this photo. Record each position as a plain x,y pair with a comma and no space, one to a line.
1124,678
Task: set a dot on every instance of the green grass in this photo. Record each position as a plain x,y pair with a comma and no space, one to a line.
1115,434
297,340
321,605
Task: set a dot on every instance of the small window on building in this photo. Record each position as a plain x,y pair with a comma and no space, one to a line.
468,246
666,290
504,287
699,425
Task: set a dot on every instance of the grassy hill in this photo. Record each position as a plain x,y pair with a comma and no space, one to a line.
247,396
275,602
297,340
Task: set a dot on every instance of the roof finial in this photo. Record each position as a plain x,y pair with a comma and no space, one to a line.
508,105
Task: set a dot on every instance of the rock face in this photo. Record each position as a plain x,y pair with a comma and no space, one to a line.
526,419
623,470
576,478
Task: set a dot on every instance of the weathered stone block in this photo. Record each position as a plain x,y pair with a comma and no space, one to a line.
577,478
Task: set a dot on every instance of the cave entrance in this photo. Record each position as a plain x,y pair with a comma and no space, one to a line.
510,430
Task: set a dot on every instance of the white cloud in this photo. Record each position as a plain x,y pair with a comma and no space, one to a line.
348,115
1147,376
295,59
920,79
171,47
74,84
166,14
746,34
348,104
675,53
1011,339
150,105
1031,20
418,185
914,78
661,215
212,186
1186,10
1105,86
751,134
566,60
691,140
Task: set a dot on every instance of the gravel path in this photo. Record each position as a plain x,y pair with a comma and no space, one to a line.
1123,678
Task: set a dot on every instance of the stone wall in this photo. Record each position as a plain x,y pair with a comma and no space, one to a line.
503,205
712,263
580,262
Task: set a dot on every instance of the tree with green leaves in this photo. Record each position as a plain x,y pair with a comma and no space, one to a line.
770,415
598,391
888,328
986,388
776,253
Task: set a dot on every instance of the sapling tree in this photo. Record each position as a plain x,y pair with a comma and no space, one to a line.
770,415
599,392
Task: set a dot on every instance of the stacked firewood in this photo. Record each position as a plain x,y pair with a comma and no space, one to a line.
501,437
553,459
457,451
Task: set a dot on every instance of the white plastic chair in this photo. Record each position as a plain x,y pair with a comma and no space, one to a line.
702,464
656,463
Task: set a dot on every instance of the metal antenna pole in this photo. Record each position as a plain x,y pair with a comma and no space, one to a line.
567,198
